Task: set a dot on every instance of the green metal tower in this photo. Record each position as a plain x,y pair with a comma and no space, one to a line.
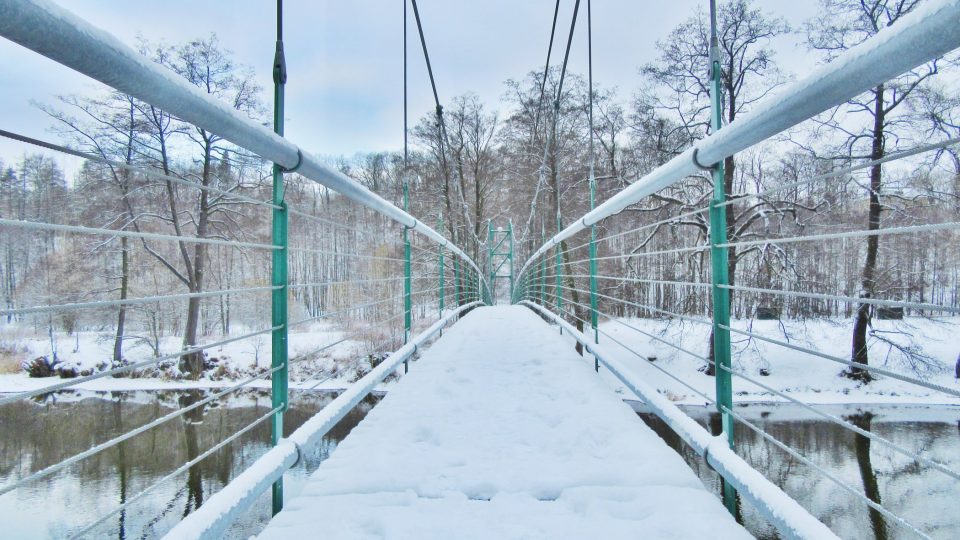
500,253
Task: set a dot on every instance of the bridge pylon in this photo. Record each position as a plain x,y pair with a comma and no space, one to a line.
500,258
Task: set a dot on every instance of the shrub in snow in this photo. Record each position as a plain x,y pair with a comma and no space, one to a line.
376,359
11,356
115,364
41,366
222,371
67,372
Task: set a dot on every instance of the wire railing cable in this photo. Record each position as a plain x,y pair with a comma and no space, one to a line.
847,299
847,425
129,367
179,470
130,434
36,225
131,301
827,474
849,363
843,172
132,168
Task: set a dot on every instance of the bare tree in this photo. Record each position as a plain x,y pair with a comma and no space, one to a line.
844,24
672,111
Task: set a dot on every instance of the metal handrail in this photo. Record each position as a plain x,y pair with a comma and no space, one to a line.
925,34
213,518
65,38
778,508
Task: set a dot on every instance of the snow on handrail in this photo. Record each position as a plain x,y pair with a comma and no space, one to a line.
63,37
790,519
926,33
213,518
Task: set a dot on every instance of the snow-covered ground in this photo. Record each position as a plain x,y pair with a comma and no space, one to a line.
502,431
240,360
800,375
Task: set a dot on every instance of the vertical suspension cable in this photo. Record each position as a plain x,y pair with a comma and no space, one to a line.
546,65
566,55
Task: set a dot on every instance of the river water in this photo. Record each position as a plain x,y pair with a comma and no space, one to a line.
927,499
38,433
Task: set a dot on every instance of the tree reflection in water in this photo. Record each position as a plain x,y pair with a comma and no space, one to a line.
922,495
869,476
191,420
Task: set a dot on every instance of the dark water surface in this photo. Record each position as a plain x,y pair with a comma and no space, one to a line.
926,498
35,434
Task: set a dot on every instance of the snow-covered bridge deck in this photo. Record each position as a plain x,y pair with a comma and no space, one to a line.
502,431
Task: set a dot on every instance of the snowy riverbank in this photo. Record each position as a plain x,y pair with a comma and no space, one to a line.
799,375
339,362
794,373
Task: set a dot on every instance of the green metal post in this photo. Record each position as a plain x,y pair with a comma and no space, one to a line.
480,290
593,270
543,269
440,228
559,291
278,301
510,257
593,191
491,249
407,285
456,281
720,272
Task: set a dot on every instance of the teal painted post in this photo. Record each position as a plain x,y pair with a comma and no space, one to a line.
485,298
593,191
543,270
593,270
559,290
510,257
278,302
440,227
491,250
456,281
719,265
407,285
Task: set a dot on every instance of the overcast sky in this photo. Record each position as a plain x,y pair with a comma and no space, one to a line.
344,93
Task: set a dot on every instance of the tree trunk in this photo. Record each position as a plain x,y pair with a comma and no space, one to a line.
578,312
122,309
868,280
193,363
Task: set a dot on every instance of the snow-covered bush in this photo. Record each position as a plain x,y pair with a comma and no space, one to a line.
41,366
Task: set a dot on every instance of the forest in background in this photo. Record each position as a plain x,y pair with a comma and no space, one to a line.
525,160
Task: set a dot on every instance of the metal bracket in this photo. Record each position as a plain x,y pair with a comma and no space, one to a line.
697,162
299,452
296,167
279,65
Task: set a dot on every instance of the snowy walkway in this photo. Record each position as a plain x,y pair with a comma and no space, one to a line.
501,431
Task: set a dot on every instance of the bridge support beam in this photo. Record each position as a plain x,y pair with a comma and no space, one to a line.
407,280
279,337
440,228
719,261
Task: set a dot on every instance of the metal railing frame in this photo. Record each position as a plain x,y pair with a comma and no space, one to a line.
217,513
921,36
65,38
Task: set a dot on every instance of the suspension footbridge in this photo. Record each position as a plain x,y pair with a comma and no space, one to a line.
503,423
